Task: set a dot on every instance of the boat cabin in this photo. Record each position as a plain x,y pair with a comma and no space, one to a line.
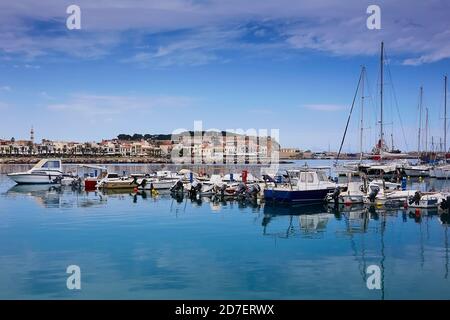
48,164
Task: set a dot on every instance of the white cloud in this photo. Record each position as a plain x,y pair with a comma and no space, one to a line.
418,31
124,106
325,107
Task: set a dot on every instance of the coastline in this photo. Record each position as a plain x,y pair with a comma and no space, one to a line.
85,160
100,160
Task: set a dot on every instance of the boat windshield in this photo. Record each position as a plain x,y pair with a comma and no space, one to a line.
307,177
52,164
113,175
322,176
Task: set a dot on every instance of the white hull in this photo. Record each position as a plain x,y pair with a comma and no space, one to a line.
348,199
33,178
432,173
425,204
416,172
117,184
157,185
441,173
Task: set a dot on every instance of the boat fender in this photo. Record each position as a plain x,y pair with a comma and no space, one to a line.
417,212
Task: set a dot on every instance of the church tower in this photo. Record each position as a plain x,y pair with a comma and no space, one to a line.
32,135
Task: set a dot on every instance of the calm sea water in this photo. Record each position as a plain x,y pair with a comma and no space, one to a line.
144,247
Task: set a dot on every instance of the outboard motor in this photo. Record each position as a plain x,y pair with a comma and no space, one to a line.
196,188
416,198
445,204
241,190
335,195
223,188
56,180
76,183
177,187
253,190
373,194
445,216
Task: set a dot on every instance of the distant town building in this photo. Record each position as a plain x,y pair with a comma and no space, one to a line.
290,153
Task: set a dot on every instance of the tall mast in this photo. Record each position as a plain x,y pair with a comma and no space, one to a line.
420,120
432,144
392,141
381,96
362,114
445,114
426,130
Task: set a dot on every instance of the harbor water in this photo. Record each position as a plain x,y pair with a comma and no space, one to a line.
138,246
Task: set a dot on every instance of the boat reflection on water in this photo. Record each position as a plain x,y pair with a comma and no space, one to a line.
57,196
311,220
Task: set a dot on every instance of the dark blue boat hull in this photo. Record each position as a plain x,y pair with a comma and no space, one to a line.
302,196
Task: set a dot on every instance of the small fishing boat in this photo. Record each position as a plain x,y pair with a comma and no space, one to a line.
46,171
91,175
312,186
426,200
146,182
348,194
383,193
114,181
387,171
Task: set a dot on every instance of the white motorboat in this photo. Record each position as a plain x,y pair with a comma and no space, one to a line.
379,170
442,172
349,193
46,171
151,183
387,193
114,181
427,200
417,171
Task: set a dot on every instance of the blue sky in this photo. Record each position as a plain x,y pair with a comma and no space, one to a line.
153,67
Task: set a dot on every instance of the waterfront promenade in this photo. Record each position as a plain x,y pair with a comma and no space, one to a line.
85,159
